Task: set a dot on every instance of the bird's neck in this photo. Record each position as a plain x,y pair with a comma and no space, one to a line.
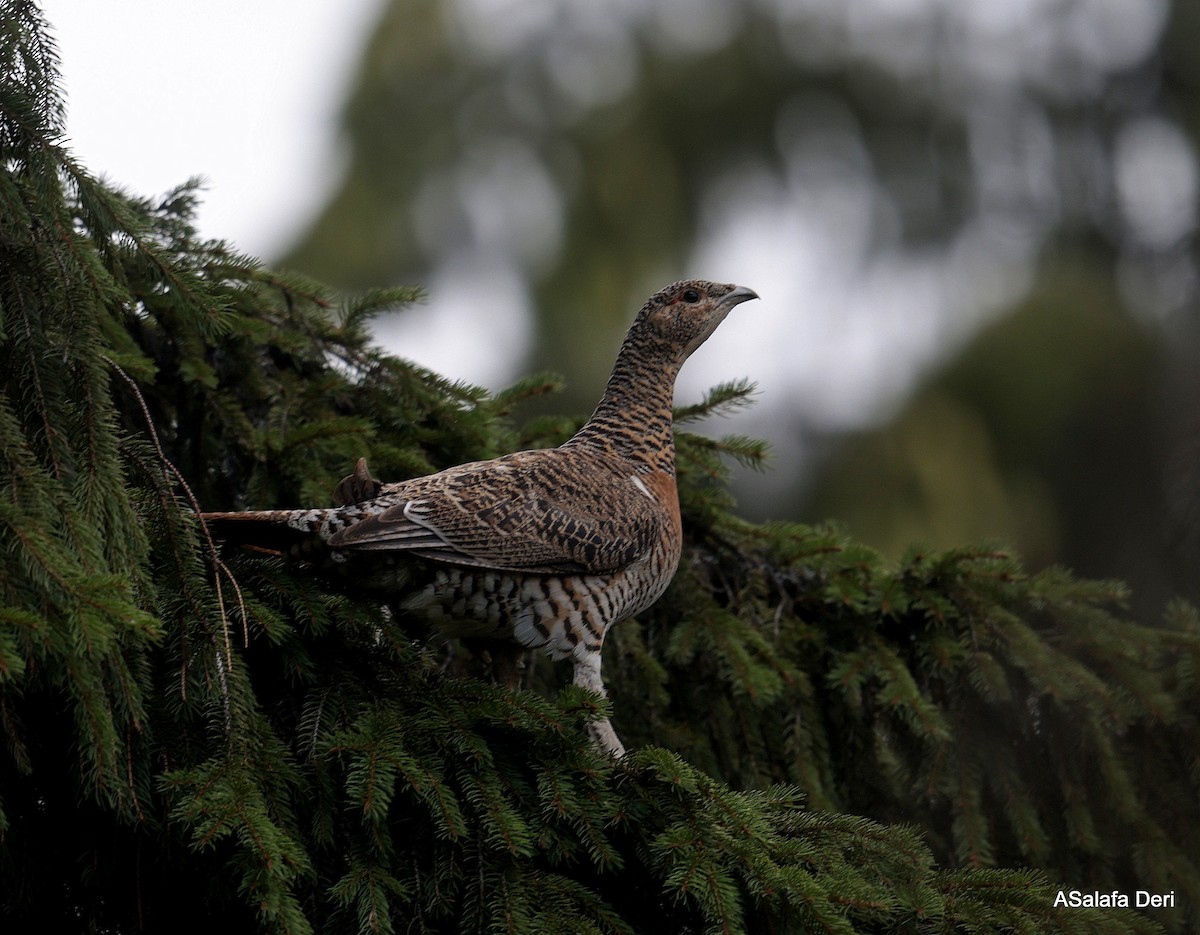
633,417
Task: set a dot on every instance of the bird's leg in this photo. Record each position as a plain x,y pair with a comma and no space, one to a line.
508,664
505,659
587,675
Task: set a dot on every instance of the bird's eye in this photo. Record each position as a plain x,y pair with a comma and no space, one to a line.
690,295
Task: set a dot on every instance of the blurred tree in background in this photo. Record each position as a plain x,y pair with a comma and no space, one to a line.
895,176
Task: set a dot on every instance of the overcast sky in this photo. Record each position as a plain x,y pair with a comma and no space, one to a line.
243,94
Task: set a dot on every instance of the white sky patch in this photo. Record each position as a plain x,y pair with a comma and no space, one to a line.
476,326
1156,181
244,94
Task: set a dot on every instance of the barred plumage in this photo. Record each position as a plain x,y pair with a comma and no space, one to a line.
547,548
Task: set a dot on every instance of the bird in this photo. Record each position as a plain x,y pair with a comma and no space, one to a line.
544,548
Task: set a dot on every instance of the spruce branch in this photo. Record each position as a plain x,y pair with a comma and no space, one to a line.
171,476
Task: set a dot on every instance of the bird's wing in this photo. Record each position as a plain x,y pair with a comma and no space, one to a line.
536,511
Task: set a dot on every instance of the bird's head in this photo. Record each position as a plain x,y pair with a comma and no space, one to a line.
683,315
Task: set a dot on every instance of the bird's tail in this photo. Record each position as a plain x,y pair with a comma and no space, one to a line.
277,532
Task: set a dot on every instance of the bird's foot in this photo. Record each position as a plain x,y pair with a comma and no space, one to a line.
357,487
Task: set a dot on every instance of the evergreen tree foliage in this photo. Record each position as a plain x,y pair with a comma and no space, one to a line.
192,739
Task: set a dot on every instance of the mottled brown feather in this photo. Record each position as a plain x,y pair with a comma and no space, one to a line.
550,510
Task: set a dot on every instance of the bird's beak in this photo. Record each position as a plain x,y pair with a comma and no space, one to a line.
739,295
